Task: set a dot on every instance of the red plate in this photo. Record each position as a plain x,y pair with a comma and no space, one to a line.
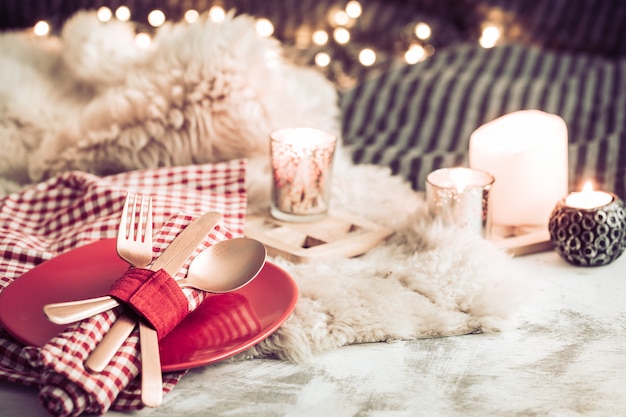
222,326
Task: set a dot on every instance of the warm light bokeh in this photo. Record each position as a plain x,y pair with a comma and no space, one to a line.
41,28
264,27
156,18
122,13
320,37
217,13
423,31
490,36
354,9
341,35
322,59
414,54
191,16
367,57
104,14
143,40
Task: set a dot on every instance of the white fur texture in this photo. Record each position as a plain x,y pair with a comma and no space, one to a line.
427,280
93,100
205,92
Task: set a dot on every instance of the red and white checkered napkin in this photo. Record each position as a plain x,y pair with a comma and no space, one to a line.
75,209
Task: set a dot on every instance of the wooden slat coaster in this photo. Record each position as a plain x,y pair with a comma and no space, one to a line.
337,235
522,240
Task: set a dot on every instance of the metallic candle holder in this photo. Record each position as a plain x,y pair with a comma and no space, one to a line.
592,235
460,197
302,160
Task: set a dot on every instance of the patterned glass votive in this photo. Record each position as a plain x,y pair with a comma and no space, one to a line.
302,160
460,197
589,228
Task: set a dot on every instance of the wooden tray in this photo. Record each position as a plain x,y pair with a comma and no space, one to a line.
521,240
337,235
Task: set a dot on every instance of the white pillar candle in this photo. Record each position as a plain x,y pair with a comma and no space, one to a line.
526,152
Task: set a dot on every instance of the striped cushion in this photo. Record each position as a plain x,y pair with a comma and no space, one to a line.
419,118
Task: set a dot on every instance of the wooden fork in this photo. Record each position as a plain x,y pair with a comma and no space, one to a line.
134,245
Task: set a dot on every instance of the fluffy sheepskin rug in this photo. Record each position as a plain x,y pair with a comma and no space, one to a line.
426,280
92,100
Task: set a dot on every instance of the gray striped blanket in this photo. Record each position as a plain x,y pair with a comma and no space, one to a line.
419,118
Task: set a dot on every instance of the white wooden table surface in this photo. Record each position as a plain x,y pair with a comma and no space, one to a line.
567,357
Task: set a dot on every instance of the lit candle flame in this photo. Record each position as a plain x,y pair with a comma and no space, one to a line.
588,198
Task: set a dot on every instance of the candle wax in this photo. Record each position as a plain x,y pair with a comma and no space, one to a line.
588,198
459,178
526,152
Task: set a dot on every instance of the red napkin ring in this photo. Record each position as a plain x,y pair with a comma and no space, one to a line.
154,295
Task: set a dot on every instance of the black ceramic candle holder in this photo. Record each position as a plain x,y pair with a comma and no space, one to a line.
589,236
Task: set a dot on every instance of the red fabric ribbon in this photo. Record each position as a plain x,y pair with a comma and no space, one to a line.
154,295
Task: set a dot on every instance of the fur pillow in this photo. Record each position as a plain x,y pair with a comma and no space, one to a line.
93,100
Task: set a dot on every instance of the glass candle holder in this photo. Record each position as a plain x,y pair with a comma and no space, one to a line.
460,197
588,228
302,160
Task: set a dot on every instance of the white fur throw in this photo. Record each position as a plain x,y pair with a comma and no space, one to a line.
92,100
425,281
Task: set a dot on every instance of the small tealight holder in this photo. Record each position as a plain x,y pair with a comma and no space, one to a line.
302,160
588,228
460,197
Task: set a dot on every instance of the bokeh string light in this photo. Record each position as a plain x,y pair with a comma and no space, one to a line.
123,14
156,18
341,45
104,14
191,16
217,14
423,31
490,36
264,27
354,9
320,37
41,28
